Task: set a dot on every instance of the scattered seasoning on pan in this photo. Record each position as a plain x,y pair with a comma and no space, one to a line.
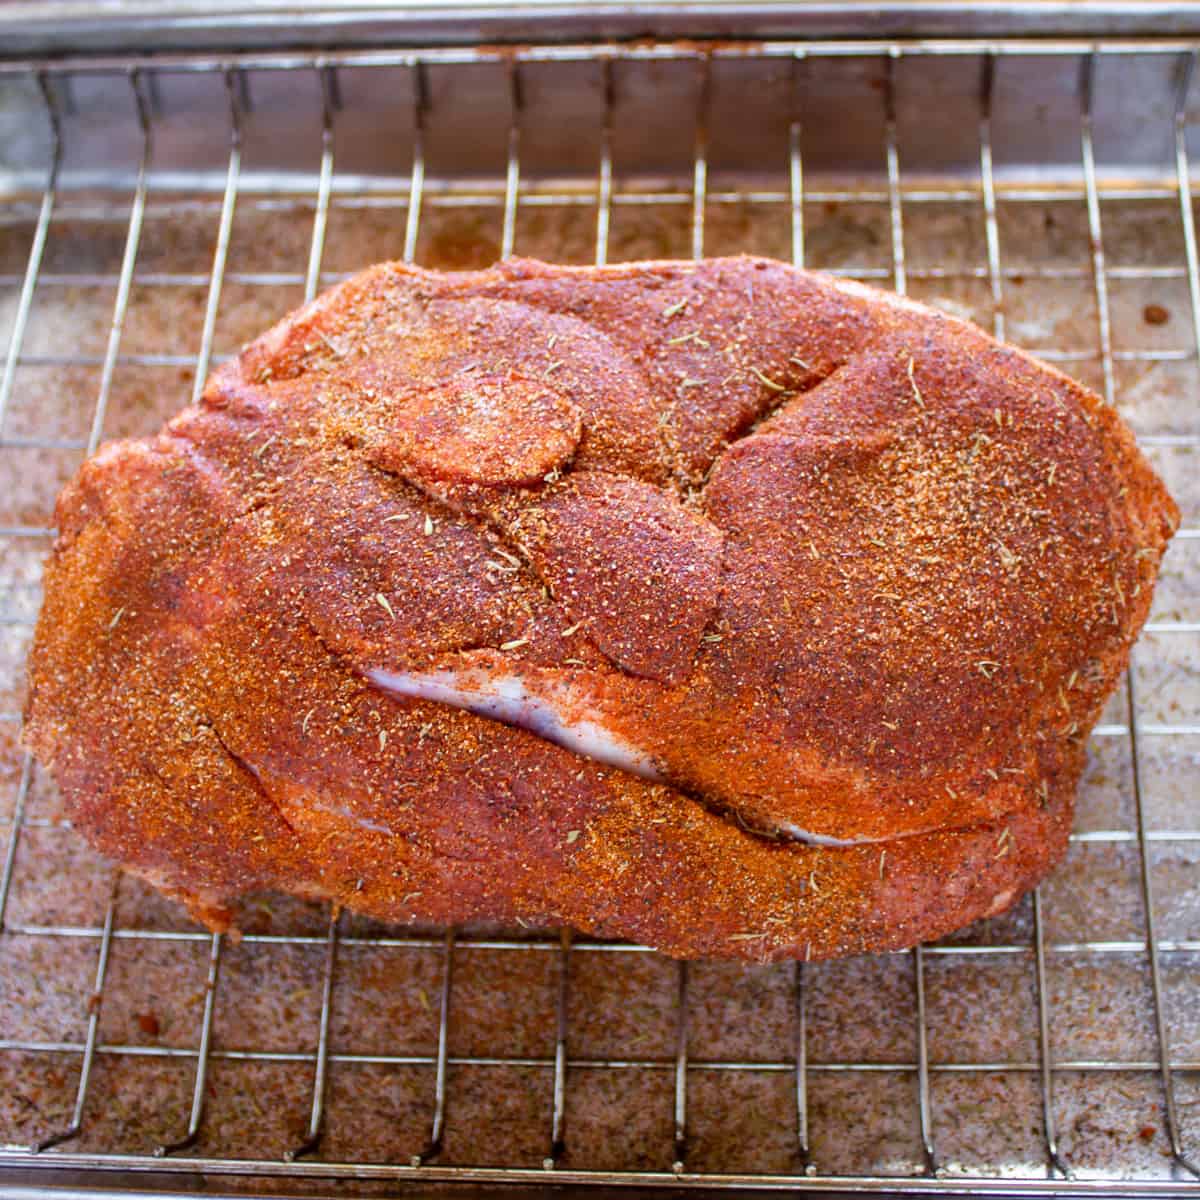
266,445
397,517
795,358
1155,314
689,382
554,366
1050,476
573,629
116,617
675,309
307,718
890,724
514,644
987,667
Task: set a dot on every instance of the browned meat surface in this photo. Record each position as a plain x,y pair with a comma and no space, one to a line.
720,606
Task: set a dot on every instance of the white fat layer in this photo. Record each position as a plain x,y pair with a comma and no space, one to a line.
506,698
342,810
551,713
788,829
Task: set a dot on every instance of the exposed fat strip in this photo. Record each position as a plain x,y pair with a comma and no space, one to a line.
506,698
552,713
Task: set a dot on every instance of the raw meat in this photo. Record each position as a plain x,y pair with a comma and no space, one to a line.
725,607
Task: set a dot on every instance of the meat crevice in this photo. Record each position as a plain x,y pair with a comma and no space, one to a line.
249,773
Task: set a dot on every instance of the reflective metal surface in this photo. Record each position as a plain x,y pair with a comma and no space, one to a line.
792,134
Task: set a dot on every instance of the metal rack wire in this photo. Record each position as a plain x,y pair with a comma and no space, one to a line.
605,193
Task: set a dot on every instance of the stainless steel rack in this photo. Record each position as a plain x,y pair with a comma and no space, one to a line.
788,134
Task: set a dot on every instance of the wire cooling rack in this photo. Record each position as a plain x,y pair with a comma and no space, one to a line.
1056,1048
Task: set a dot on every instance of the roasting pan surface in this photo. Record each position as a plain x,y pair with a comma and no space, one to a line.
1042,190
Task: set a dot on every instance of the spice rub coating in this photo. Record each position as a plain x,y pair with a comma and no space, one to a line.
840,582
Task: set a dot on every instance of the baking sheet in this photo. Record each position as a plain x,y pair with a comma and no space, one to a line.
982,1015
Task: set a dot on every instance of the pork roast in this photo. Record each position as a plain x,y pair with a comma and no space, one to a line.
722,606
